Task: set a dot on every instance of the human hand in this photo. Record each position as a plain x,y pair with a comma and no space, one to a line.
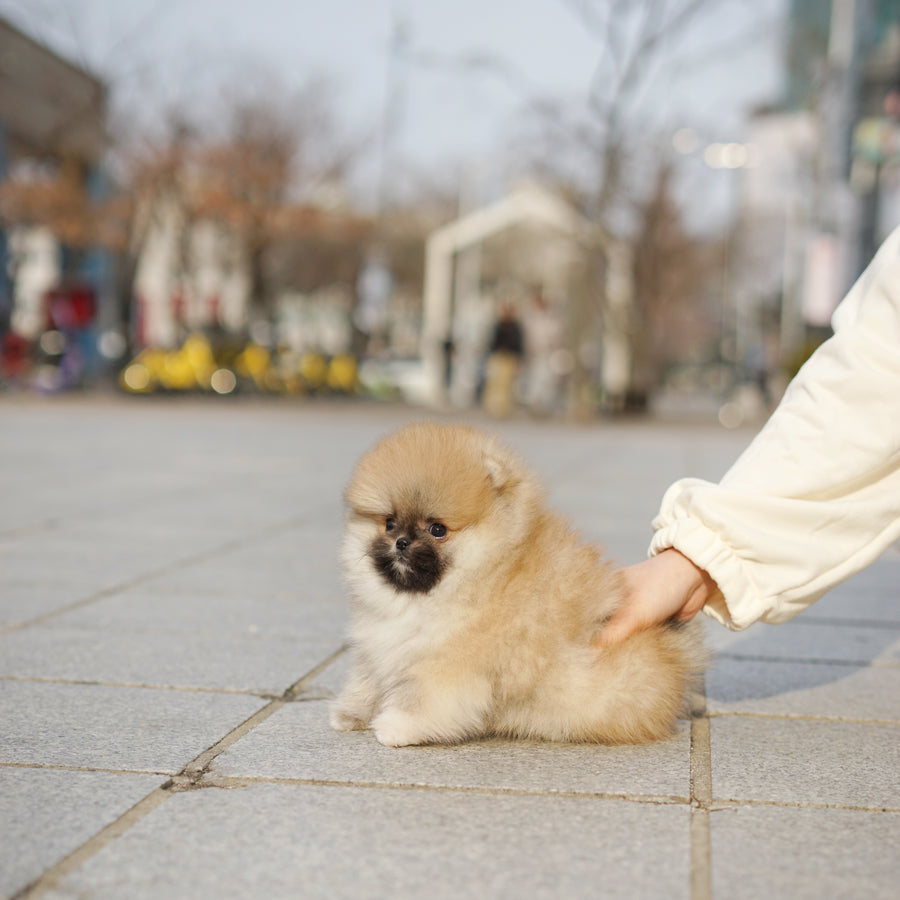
660,588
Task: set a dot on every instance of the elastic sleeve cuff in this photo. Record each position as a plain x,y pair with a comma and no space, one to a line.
733,605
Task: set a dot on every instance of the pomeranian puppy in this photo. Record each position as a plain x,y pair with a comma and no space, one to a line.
474,607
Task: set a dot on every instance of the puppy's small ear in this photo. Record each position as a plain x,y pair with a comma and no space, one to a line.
501,474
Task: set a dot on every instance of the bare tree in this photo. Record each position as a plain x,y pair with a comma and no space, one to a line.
606,148
670,268
259,172
54,196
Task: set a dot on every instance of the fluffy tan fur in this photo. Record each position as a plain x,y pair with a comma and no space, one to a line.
501,644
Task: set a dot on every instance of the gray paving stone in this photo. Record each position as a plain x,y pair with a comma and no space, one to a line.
91,566
212,515
98,726
296,612
252,576
831,625
806,761
297,743
283,614
569,460
804,854
871,593
292,557
800,640
119,464
307,549
22,601
87,571
127,547
872,597
49,813
188,659
769,687
344,842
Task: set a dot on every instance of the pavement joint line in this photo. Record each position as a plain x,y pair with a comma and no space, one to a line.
812,661
798,717
19,531
186,688
210,780
836,622
178,783
701,854
55,767
701,796
719,804
177,565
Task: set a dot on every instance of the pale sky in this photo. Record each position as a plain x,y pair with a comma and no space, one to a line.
160,49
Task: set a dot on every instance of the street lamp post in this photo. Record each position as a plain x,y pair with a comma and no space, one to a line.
734,157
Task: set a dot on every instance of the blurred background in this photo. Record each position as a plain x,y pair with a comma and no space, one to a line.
564,208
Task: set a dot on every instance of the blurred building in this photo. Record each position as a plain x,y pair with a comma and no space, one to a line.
817,199
52,140
875,150
189,276
193,272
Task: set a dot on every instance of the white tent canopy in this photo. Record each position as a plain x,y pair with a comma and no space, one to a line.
526,205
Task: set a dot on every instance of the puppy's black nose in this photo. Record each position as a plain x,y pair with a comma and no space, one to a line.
402,543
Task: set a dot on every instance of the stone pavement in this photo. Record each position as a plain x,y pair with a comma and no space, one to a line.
171,622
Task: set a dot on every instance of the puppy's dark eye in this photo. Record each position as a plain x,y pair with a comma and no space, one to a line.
390,525
437,530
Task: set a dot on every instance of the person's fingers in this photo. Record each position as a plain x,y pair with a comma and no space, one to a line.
691,608
657,589
634,615
620,627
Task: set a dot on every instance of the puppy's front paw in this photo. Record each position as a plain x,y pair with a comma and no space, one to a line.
396,728
344,718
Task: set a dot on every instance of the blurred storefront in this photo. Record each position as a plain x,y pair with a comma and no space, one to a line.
52,141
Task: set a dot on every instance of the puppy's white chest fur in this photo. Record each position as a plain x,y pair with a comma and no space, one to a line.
394,628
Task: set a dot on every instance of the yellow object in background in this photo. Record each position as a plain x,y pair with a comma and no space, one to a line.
194,365
342,373
254,362
314,369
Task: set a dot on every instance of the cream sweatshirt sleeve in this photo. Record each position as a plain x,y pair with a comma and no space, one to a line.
815,498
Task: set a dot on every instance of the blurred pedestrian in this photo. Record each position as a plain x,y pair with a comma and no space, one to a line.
814,499
504,357
449,351
543,343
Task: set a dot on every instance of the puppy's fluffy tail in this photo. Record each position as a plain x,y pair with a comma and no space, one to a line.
643,683
630,693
